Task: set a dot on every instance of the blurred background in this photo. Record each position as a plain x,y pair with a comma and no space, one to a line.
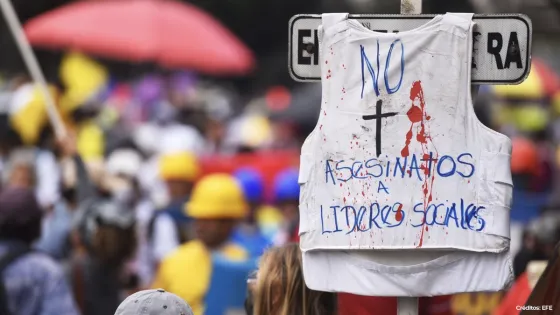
153,111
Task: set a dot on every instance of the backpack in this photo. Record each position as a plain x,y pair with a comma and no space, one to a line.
11,256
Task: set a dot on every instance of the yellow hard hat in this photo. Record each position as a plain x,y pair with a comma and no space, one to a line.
217,196
179,166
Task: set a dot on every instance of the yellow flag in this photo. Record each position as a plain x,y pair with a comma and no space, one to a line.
82,78
28,112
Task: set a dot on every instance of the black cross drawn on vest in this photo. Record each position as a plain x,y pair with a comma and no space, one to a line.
378,116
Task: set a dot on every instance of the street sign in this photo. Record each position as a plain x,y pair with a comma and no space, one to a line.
502,44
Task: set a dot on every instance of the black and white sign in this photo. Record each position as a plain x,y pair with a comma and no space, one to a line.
502,44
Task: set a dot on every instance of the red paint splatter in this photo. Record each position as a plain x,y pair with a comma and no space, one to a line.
340,184
325,112
417,114
321,127
356,142
344,199
399,214
326,62
363,193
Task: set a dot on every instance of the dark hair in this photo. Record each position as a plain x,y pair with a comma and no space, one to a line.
113,245
28,232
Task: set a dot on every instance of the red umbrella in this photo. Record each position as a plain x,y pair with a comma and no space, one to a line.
171,33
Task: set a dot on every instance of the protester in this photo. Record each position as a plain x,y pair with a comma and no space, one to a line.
249,233
286,196
217,205
154,302
44,290
541,236
171,226
103,238
281,289
57,225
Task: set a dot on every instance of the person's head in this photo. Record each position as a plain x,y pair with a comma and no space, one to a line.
154,302
20,215
286,193
253,188
122,168
281,289
21,169
107,230
545,232
217,204
179,171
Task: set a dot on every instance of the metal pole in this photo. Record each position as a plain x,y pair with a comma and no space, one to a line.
32,65
409,305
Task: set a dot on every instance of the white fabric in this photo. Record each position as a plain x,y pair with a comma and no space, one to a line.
165,236
48,178
124,161
430,180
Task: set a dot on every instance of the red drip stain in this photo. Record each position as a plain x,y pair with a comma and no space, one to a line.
469,181
363,193
326,62
408,172
321,127
340,184
344,199
343,66
417,114
343,90
404,151
399,214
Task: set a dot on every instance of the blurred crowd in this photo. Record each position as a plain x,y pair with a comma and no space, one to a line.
173,182
111,196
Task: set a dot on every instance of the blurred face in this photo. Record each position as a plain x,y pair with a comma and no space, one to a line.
214,232
178,189
22,176
215,130
290,209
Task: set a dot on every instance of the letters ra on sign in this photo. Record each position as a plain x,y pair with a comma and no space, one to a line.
501,48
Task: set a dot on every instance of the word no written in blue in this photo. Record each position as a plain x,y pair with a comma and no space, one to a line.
363,218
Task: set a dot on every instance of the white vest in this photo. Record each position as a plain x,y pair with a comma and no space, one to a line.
399,161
